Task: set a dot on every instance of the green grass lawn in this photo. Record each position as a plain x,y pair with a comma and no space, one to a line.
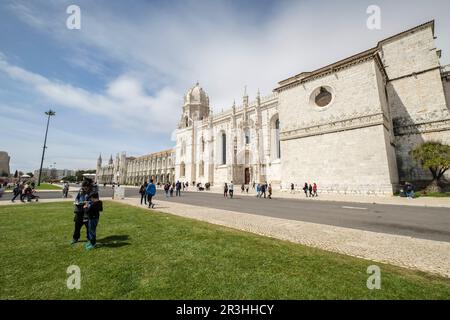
433,194
149,255
47,186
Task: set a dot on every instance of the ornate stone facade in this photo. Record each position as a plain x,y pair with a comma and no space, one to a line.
134,171
348,126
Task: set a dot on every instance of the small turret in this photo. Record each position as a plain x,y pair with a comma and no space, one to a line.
99,161
245,98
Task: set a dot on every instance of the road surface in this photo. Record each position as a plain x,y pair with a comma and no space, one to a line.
418,222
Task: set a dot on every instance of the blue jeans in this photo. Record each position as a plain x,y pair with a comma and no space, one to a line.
92,230
410,194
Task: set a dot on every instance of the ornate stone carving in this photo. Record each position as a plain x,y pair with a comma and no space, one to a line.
333,123
422,123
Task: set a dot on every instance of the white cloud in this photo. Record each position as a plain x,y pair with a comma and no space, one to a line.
225,48
124,102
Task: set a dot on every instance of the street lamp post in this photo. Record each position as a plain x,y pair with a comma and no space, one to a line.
49,113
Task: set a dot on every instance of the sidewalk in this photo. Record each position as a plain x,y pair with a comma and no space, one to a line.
419,254
18,202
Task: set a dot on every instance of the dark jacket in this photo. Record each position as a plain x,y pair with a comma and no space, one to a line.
80,200
94,209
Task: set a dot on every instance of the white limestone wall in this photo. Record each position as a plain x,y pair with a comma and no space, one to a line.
417,98
413,52
184,135
355,160
417,95
352,162
446,84
389,135
355,92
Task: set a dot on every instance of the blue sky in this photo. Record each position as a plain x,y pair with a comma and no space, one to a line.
118,83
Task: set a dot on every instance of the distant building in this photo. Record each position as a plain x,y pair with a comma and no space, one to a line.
53,173
4,163
159,166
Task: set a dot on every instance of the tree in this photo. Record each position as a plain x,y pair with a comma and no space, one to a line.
70,179
433,156
30,174
16,174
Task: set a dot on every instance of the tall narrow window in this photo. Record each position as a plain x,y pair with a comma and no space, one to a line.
201,169
277,138
247,136
182,169
224,148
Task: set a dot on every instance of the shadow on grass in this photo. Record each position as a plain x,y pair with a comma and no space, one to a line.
114,241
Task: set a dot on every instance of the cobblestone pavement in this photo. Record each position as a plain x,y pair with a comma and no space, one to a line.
419,254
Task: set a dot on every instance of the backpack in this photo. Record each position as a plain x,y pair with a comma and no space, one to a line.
151,189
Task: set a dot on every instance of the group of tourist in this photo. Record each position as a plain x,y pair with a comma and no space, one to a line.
264,190
25,190
228,190
309,189
87,208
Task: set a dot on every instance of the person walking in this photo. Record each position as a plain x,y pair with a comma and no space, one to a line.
17,192
310,189
178,189
315,190
142,193
258,191
242,188
269,189
292,188
65,190
231,189
263,190
305,189
225,190
167,189
151,192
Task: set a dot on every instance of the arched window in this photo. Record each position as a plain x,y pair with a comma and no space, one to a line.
224,148
182,169
275,145
186,121
203,145
247,136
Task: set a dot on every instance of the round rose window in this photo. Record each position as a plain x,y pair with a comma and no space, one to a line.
323,97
